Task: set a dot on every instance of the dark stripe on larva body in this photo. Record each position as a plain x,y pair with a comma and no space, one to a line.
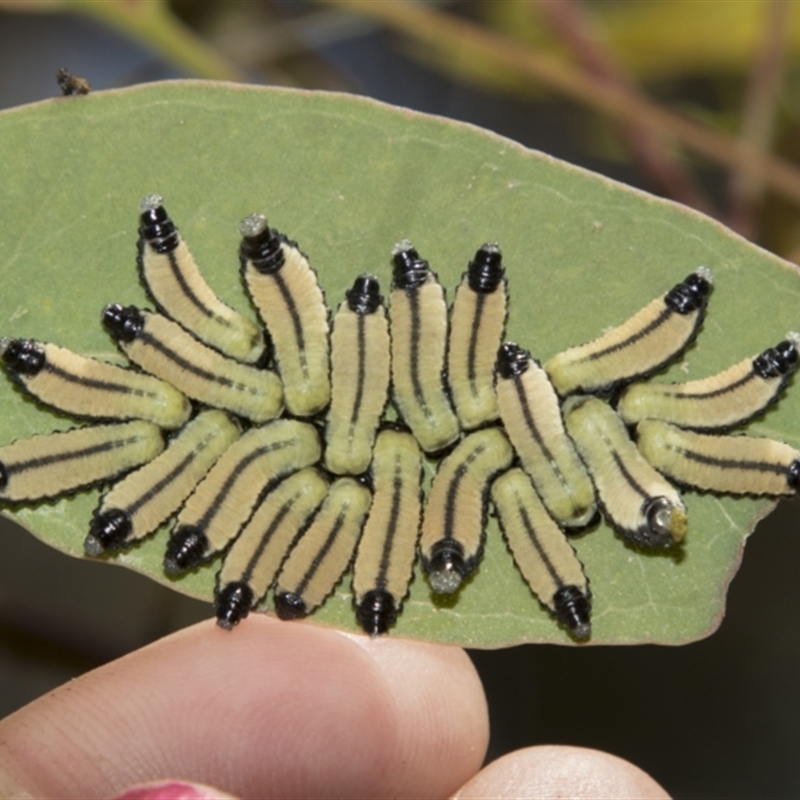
297,323
283,512
663,317
733,464
189,293
413,358
475,329
92,383
207,518
391,527
721,392
452,492
193,369
530,532
625,472
531,426
321,553
164,483
56,458
361,345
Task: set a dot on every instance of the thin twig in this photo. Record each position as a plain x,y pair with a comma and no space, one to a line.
434,29
759,112
571,23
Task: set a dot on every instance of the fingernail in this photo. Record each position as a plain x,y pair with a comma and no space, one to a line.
171,790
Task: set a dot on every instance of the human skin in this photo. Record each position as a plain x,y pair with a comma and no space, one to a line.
276,709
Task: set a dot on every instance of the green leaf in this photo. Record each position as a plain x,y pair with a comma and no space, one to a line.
348,177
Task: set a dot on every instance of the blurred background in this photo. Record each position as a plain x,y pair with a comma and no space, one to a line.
695,101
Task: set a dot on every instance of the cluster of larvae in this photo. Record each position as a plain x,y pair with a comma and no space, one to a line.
278,457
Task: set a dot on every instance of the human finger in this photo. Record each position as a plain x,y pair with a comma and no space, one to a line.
555,771
272,709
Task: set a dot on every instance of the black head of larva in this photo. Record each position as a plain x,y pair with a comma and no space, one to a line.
23,357
3,476
486,270
107,531
261,245
155,225
512,360
365,296
124,323
376,613
185,549
793,475
409,271
289,605
691,294
446,566
233,604
776,361
573,610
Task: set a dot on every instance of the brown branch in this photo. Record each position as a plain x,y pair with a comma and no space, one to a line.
571,23
434,28
759,112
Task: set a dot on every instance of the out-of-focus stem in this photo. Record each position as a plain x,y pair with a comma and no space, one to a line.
571,23
434,28
758,113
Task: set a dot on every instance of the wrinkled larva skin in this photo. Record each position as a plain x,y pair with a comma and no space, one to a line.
285,515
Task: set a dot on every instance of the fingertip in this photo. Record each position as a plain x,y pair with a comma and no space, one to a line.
173,790
270,709
555,771
443,708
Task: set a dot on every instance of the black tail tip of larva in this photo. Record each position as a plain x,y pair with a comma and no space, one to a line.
260,245
408,270
376,612
289,605
185,549
793,475
573,610
692,293
486,270
665,524
3,477
155,225
512,360
233,604
23,356
124,323
365,296
777,361
107,531
446,567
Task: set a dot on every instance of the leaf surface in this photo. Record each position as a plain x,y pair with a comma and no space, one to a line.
347,178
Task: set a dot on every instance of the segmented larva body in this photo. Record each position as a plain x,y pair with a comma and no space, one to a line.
174,281
163,348
477,324
542,552
287,294
385,558
418,324
722,464
721,401
261,500
86,387
360,372
531,414
643,344
453,526
638,502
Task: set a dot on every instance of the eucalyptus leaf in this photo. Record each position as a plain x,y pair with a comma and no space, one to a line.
348,177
